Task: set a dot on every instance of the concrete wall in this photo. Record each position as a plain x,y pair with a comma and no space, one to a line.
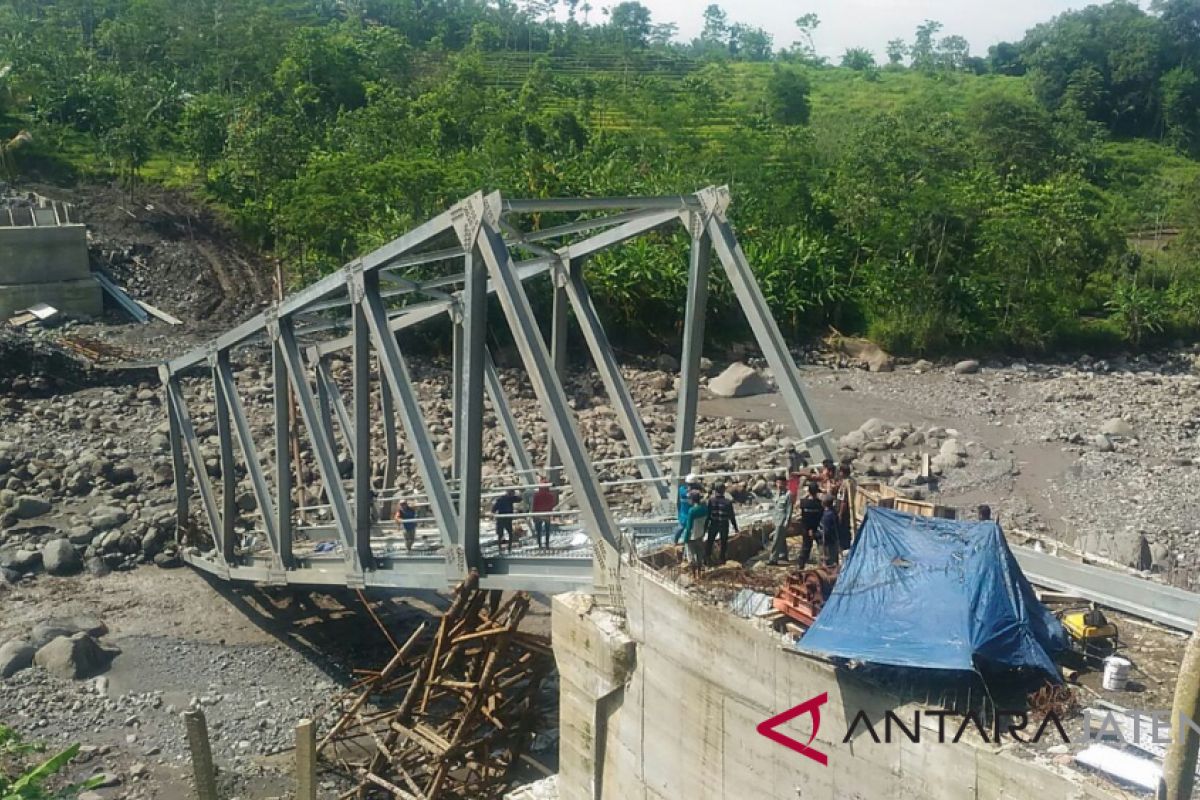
43,255
47,265
663,705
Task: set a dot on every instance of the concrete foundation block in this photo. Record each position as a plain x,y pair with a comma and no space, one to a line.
43,255
80,297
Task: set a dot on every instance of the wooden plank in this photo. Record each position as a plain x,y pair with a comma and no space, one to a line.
158,313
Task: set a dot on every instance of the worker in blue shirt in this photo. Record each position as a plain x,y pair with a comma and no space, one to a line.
683,505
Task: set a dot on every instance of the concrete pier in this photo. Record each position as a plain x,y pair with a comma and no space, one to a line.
44,259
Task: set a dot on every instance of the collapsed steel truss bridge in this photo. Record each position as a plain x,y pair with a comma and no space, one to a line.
479,236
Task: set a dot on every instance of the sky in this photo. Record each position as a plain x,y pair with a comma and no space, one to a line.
866,23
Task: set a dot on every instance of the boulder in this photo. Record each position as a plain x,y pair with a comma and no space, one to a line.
953,447
945,461
28,506
874,428
968,367
47,631
107,518
666,363
739,380
1103,444
59,557
15,656
25,561
1117,427
879,361
923,366
78,656
168,559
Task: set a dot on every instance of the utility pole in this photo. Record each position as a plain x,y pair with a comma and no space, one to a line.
1179,767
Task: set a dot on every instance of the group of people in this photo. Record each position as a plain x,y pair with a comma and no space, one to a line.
704,519
541,504
816,501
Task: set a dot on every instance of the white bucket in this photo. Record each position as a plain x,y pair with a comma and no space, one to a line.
1116,673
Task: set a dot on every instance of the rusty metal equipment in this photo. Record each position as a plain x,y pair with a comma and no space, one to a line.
450,716
803,595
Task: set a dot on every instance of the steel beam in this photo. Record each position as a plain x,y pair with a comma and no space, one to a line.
693,346
614,384
333,405
395,371
282,403
223,375
469,370
228,468
423,312
361,436
766,330
558,354
178,464
322,448
583,226
558,413
615,236
187,433
387,409
458,357
565,204
508,423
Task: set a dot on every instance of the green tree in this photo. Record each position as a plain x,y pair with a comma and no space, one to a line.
788,91
859,59
924,47
630,24
897,51
1181,108
202,130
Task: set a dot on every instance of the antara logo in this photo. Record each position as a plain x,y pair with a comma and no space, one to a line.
1015,725
811,707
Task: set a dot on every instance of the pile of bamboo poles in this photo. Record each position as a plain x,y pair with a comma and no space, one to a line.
448,716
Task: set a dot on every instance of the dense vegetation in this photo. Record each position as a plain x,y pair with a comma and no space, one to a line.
939,201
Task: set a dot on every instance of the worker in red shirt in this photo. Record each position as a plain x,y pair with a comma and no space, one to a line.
544,501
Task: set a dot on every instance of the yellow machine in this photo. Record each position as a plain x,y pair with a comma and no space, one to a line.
1092,635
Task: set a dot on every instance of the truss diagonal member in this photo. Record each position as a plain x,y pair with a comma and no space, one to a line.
614,384
508,423
391,444
228,468
395,371
187,432
241,429
331,401
178,460
693,345
559,416
322,447
766,330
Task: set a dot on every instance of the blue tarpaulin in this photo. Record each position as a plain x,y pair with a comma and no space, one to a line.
937,594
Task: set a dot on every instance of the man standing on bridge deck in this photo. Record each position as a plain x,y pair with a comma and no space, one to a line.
683,506
721,516
502,510
784,504
811,511
544,501
404,513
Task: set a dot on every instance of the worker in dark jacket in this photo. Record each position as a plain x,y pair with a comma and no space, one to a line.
502,510
721,516
811,511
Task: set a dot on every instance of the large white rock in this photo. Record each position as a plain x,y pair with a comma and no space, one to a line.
739,380
1117,427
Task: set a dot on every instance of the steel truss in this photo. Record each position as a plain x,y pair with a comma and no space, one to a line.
487,231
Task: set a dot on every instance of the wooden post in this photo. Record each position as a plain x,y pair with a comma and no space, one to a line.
202,763
306,760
